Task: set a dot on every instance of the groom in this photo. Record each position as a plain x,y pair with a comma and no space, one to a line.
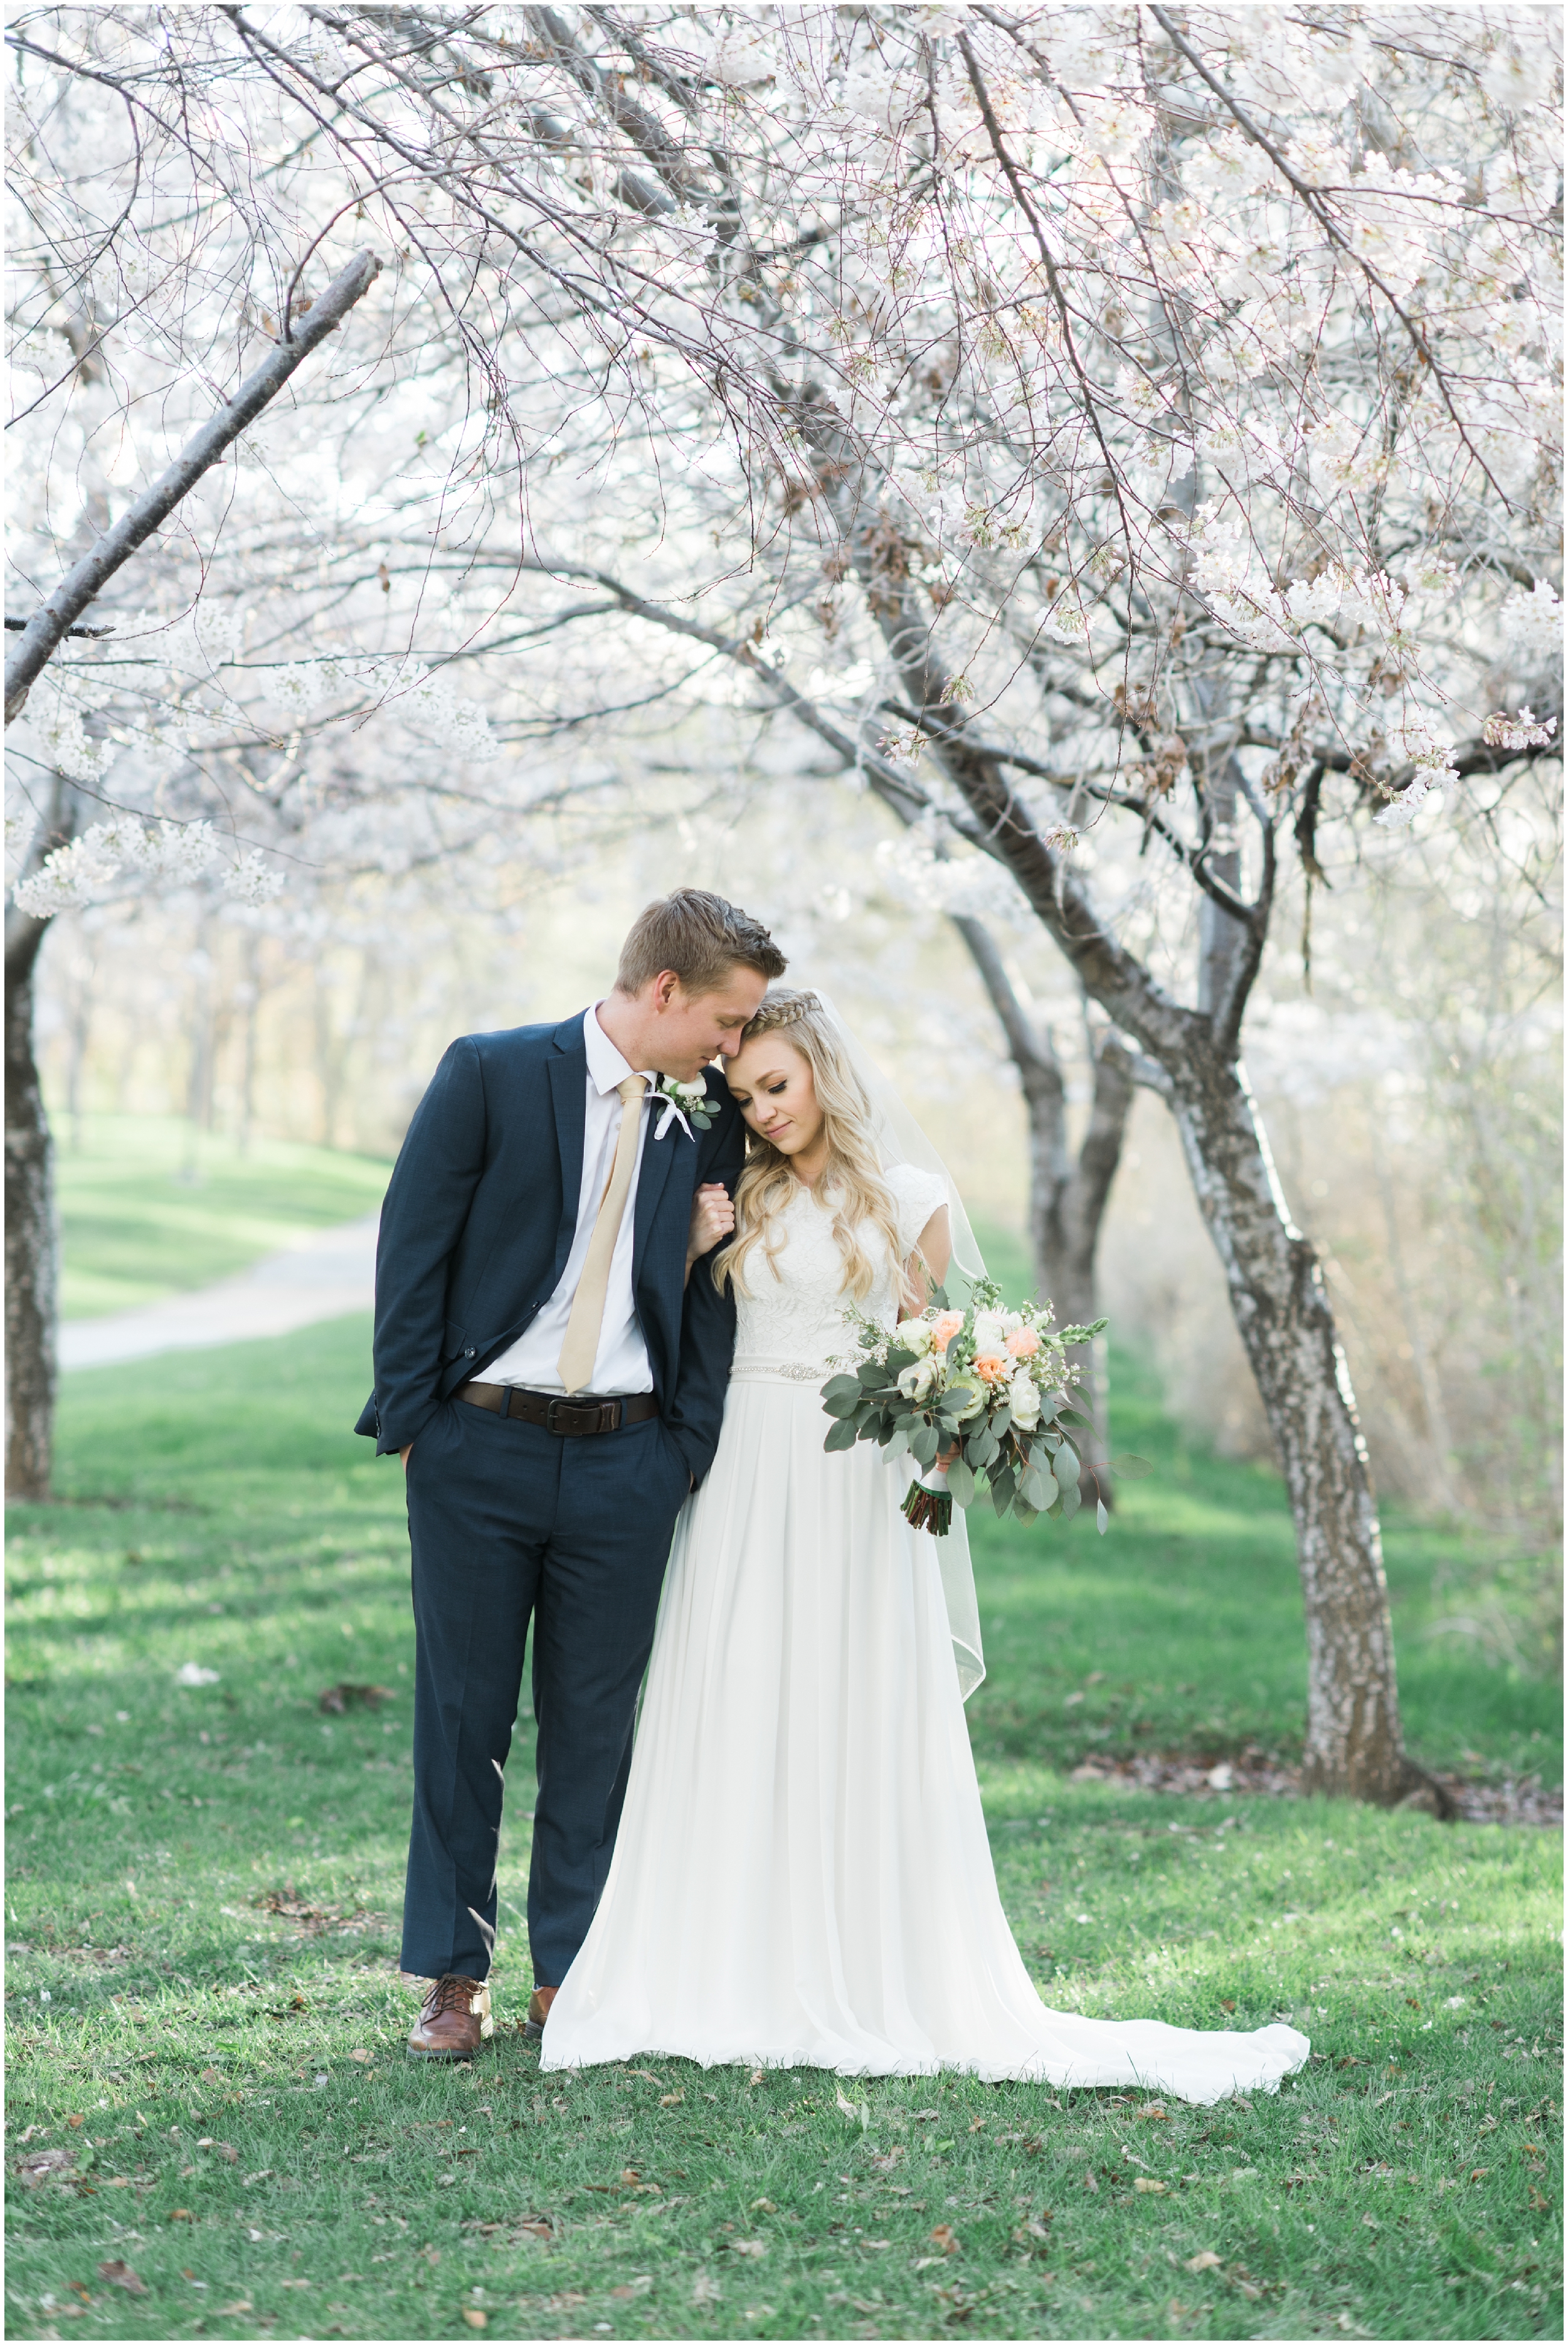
554,1384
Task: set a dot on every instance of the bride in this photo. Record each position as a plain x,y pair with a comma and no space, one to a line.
802,1876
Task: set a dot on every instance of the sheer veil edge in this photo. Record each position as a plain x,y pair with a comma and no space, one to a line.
901,1141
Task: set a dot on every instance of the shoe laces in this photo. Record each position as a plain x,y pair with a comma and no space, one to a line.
453,1992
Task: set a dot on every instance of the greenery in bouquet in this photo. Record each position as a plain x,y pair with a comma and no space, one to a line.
986,1390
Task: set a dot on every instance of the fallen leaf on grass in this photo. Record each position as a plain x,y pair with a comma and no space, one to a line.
704,2290
1226,2004
180,2215
1207,2262
766,2206
1152,2109
637,2287
748,2247
120,2275
42,2164
231,2312
671,2100
337,1698
1539,2206
211,2077
362,2057
946,2237
1144,2183
1479,2173
472,2314
756,2077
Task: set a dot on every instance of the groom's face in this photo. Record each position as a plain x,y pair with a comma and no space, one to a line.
693,1028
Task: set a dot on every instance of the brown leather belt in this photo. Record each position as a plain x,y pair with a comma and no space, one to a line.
557,1413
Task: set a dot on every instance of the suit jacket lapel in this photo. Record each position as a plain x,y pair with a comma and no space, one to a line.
569,1092
658,1155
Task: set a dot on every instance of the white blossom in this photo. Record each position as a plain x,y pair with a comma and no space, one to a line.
1525,731
1535,622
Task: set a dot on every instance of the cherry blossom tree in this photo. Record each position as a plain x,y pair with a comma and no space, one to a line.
1126,437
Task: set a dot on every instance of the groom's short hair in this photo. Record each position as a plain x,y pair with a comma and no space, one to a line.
701,938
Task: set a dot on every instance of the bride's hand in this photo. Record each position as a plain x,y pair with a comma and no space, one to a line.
712,1219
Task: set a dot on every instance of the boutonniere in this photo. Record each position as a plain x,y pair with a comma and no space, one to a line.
686,1104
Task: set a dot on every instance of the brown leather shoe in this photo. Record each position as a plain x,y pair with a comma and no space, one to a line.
455,2020
539,2003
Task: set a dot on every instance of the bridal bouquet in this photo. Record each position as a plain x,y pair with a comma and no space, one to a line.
990,1384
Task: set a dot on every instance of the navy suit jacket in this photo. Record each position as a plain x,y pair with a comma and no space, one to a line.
479,1220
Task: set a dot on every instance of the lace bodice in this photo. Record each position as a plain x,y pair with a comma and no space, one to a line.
792,1319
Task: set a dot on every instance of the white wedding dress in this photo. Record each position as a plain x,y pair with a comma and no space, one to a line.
802,1876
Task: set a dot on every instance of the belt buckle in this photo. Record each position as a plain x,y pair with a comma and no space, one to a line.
557,1400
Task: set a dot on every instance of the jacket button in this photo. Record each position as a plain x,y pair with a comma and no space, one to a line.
471,1352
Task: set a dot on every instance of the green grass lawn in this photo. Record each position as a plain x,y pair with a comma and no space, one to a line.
205,2014
142,1218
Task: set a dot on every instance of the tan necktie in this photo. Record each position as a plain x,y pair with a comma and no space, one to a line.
581,1348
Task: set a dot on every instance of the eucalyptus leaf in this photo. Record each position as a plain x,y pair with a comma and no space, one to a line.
1101,1519
841,1435
1070,1501
924,1441
1131,1469
1038,1486
961,1483
840,1388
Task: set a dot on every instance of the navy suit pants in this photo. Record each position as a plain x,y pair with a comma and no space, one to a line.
509,1525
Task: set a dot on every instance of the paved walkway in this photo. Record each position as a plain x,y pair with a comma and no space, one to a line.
327,1276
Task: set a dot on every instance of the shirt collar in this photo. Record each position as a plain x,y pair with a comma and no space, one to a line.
606,1067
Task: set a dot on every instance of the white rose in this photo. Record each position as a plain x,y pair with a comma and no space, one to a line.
1011,1322
1024,1400
989,1332
913,1335
919,1380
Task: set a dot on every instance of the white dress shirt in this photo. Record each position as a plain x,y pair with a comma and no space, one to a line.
621,1363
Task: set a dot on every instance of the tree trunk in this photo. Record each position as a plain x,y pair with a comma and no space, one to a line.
250,995
1354,1744
31,1238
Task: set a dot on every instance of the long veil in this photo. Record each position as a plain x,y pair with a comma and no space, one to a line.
901,1141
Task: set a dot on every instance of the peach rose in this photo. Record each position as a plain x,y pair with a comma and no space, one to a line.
943,1327
994,1367
1023,1343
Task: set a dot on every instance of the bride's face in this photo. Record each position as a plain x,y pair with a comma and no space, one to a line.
770,1082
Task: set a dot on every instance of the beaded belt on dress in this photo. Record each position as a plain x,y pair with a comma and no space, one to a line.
793,1372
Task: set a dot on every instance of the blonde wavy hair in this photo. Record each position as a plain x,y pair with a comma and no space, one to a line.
853,1183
